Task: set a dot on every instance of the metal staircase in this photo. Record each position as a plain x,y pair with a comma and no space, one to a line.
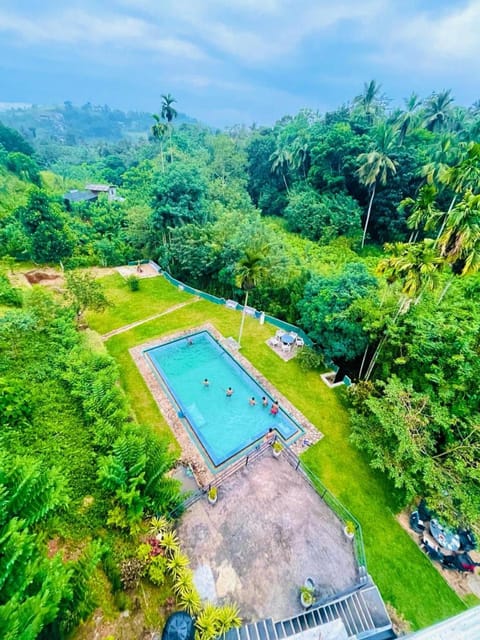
362,612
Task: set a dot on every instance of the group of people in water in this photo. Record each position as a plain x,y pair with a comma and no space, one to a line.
274,409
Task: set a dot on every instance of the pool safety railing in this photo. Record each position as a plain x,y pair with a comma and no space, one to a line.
336,506
220,478
310,477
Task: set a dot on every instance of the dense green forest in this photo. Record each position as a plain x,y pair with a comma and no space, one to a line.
361,225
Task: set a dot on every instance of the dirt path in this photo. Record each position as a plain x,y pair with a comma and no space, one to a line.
127,327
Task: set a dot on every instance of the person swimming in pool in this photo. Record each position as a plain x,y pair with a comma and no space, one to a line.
252,402
229,392
275,408
206,382
264,401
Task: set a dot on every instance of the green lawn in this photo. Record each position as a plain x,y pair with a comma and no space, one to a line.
154,296
404,575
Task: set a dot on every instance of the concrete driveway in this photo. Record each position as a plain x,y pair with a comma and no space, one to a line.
268,531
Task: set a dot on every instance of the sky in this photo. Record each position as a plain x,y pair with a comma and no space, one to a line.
236,61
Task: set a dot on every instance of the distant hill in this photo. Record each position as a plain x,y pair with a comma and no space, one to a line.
70,124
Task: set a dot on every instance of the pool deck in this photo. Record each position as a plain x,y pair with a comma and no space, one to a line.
268,531
191,455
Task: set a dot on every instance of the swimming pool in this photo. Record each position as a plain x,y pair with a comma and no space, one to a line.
222,427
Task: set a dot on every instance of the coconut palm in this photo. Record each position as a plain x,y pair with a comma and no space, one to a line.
375,167
407,118
438,109
281,160
250,270
370,101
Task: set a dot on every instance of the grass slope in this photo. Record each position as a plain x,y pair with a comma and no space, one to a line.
404,575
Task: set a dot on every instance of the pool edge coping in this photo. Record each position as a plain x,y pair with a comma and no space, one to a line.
191,456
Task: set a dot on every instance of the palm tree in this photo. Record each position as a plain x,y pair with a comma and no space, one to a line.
443,153
438,110
415,265
168,113
159,130
463,176
459,242
423,211
281,159
370,100
301,156
408,117
250,270
375,167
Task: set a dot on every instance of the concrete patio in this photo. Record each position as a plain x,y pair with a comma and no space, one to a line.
268,531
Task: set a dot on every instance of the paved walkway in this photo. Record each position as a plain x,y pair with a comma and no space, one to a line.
127,327
268,531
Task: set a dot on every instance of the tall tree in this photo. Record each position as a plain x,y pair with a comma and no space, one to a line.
437,110
85,293
370,100
407,118
424,212
281,160
168,113
460,240
250,270
375,167
415,265
159,130
331,314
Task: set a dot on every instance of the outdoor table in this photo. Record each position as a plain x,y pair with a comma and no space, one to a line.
287,339
445,537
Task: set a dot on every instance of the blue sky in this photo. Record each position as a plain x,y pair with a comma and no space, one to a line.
236,61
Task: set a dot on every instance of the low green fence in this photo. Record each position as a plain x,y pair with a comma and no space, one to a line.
196,292
342,512
281,324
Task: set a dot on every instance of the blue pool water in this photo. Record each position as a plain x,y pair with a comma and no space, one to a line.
224,426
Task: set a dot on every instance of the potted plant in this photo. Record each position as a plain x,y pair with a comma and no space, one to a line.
212,495
307,596
277,448
349,529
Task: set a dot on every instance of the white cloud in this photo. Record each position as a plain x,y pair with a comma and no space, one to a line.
434,42
253,31
265,39
77,27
